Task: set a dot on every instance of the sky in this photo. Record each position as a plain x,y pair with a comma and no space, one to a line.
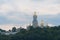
20,12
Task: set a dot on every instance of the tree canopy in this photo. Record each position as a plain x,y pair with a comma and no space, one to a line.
51,33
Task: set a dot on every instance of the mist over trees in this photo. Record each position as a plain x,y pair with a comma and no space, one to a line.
31,33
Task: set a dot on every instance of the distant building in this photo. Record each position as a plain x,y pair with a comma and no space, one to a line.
35,22
42,23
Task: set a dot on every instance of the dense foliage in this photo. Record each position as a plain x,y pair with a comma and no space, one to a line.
50,33
14,29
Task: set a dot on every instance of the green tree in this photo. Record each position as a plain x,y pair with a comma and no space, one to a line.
14,29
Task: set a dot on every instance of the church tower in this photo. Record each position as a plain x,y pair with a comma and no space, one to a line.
42,23
35,22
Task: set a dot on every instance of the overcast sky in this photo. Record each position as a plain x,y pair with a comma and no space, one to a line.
20,12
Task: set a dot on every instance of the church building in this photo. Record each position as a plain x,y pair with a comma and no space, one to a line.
35,21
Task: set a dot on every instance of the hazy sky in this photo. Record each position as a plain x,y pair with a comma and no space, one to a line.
20,12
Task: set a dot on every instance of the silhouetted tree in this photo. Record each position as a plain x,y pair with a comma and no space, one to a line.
14,29
31,33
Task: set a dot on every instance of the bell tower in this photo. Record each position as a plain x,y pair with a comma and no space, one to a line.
42,23
35,22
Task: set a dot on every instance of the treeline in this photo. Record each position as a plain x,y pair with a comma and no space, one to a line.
31,33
